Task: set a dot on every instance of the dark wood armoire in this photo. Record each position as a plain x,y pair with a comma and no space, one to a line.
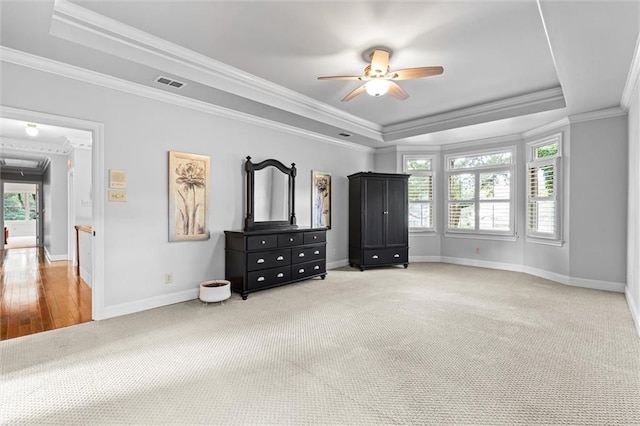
378,219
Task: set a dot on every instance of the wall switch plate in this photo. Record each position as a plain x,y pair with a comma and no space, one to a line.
168,278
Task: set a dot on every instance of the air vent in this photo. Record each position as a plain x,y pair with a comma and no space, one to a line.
344,135
170,82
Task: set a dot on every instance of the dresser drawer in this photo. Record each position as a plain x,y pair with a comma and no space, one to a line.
303,270
288,240
307,254
268,277
261,242
268,259
315,237
386,256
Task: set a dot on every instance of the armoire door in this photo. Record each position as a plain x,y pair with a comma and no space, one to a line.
397,214
373,212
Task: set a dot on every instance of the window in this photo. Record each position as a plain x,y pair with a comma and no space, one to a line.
19,206
420,192
480,193
543,183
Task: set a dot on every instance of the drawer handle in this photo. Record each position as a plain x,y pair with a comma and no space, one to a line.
316,267
301,271
291,240
280,275
263,242
375,256
385,212
280,258
260,261
315,237
396,255
301,255
260,279
316,252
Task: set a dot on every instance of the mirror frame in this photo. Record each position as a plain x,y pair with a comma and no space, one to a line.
249,223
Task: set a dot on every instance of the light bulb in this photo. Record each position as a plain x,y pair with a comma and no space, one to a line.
31,129
377,86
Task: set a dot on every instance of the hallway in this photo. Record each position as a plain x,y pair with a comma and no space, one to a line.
37,295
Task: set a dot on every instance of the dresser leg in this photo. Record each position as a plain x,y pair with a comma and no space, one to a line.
244,296
323,276
406,265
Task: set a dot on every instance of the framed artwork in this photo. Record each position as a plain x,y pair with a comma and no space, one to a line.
188,196
320,199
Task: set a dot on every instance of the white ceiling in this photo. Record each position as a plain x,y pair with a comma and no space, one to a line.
509,66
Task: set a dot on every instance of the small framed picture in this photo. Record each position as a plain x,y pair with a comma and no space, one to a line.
320,199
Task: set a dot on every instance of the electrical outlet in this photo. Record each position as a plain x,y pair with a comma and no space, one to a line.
168,278
477,250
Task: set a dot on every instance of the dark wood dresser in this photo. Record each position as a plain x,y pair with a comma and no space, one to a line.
257,260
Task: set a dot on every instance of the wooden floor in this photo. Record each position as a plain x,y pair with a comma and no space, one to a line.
37,295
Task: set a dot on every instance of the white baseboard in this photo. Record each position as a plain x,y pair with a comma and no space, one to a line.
635,313
425,259
337,264
55,258
482,263
562,279
150,303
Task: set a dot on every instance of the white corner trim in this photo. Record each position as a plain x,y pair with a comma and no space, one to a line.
597,115
635,313
633,79
547,128
72,21
150,303
70,71
55,258
430,123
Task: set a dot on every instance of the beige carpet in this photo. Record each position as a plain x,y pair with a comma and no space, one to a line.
433,344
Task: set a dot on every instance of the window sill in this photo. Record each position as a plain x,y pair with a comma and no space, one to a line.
422,233
481,236
543,241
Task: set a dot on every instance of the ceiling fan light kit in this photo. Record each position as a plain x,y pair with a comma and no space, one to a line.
380,79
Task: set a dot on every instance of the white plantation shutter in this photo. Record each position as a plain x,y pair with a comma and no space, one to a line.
542,198
420,191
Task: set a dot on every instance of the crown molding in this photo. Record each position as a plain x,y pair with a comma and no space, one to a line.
34,146
80,25
633,79
596,115
546,128
483,143
539,101
70,71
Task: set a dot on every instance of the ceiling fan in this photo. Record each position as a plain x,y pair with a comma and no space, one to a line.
380,80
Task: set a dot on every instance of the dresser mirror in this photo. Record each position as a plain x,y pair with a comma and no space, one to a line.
270,195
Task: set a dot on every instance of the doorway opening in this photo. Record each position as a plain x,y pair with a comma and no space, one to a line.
52,206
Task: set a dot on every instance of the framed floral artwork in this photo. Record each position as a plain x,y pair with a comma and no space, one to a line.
320,199
188,196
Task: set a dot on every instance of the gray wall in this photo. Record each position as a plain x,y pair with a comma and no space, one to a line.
139,132
54,192
598,199
633,220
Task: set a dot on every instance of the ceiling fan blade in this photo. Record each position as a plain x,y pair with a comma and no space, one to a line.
354,93
379,62
397,92
341,77
418,72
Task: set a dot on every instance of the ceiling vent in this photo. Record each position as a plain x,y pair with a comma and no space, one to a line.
169,82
